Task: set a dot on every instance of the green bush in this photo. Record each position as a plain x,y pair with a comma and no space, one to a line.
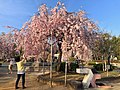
62,67
99,67
73,66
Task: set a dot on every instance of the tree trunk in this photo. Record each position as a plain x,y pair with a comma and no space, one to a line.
60,52
59,58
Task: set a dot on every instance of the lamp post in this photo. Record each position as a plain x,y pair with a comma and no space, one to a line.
51,62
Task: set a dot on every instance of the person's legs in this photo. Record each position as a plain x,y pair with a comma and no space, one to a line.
17,81
11,69
8,69
23,80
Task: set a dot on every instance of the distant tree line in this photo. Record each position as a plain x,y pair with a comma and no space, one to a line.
107,45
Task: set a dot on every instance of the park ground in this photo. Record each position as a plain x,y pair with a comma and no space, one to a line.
7,82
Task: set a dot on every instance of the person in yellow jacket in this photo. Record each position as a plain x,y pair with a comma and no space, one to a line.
20,71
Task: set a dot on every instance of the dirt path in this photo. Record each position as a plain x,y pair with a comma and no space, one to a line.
7,81
31,84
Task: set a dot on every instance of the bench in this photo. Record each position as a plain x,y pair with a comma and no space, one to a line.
89,77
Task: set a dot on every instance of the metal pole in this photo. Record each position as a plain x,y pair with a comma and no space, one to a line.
107,70
43,62
51,63
65,73
103,63
43,68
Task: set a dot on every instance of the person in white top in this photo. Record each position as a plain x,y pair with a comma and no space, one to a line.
10,67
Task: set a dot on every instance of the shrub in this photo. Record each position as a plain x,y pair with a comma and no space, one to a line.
62,67
73,66
99,67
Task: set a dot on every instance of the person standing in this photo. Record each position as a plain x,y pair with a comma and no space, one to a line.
20,71
10,67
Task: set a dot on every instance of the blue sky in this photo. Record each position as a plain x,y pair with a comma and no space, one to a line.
106,12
